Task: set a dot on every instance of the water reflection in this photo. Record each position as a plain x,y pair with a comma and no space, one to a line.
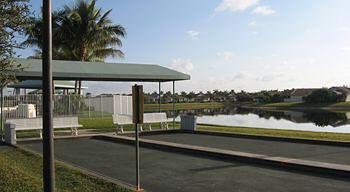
320,120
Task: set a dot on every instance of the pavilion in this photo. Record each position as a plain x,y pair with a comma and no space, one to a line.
99,71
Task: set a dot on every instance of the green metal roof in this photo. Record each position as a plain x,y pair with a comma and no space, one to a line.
98,71
37,84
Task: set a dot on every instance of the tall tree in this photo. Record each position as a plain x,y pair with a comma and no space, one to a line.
14,18
82,32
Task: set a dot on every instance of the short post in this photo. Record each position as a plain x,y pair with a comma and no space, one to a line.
138,102
188,122
174,100
10,134
89,106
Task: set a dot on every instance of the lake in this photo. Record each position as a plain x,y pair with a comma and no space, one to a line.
321,120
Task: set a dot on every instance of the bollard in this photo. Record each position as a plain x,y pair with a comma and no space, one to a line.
188,122
10,134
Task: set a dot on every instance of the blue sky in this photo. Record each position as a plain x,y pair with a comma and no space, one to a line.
234,44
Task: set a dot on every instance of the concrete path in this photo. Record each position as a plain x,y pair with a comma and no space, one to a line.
321,153
175,172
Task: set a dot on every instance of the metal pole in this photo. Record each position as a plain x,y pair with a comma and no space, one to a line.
2,114
174,98
159,98
48,143
138,120
138,187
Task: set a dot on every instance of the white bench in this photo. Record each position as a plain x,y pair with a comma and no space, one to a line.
148,118
37,124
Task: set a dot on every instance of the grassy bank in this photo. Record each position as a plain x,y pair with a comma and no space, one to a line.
278,133
22,171
183,106
340,105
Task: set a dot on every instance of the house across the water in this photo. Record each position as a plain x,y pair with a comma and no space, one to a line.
297,95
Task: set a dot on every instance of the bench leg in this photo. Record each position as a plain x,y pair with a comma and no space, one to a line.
41,133
166,126
74,131
150,127
141,129
121,129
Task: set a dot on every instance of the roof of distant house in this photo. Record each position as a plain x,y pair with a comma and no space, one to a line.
342,90
302,92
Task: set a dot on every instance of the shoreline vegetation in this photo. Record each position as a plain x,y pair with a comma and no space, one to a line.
183,106
22,171
340,106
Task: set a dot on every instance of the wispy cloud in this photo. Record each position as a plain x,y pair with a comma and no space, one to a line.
239,76
345,49
227,55
183,65
254,33
252,24
343,29
264,10
235,5
192,34
269,77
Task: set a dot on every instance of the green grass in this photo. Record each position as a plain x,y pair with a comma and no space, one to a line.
344,137
306,105
155,107
22,171
182,106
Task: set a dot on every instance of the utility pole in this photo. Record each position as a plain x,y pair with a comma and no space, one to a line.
48,142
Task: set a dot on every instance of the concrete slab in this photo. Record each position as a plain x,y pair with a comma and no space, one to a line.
304,151
166,171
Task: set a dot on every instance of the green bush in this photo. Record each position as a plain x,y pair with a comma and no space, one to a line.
323,96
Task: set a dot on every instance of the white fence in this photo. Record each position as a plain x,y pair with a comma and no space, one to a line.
114,104
30,106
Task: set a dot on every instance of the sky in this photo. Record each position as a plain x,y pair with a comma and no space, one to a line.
247,45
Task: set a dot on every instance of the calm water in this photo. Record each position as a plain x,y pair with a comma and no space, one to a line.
323,121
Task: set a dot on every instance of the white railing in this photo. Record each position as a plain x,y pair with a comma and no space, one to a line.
30,106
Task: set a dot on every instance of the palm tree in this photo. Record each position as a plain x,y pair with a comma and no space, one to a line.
82,33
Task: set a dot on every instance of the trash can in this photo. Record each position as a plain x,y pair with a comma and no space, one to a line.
10,134
188,122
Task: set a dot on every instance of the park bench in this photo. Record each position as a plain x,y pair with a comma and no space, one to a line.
120,120
37,124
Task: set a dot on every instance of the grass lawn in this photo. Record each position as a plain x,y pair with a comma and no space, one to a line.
182,106
307,105
22,171
278,133
155,107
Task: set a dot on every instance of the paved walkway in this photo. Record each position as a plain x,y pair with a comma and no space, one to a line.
322,153
175,172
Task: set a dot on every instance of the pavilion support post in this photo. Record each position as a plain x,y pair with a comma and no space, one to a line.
159,97
48,142
174,101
